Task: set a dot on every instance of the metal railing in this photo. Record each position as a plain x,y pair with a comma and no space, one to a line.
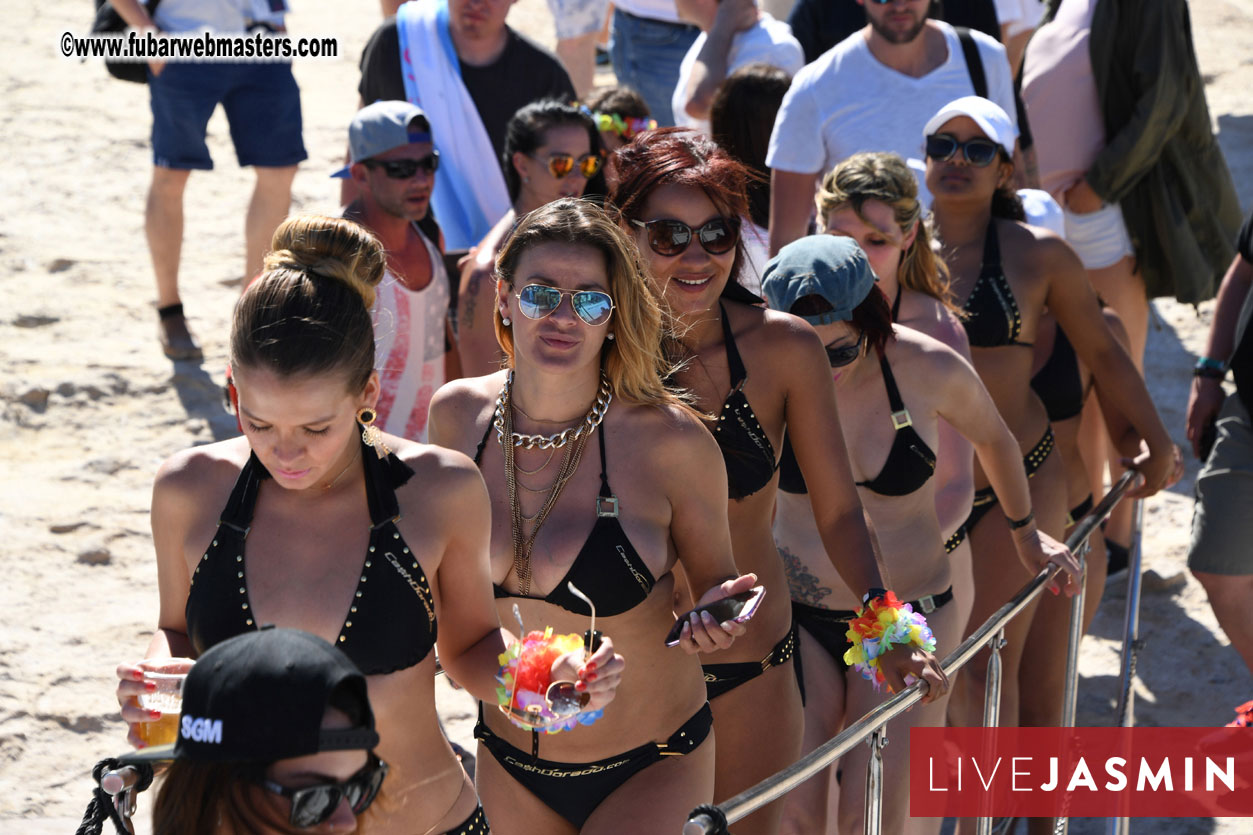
713,820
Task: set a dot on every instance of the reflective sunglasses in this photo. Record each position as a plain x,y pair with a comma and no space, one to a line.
845,355
562,165
312,805
979,152
539,301
403,169
671,237
563,698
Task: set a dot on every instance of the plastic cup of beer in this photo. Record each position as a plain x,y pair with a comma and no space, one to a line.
168,675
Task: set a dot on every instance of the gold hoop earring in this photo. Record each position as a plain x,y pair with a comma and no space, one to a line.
371,435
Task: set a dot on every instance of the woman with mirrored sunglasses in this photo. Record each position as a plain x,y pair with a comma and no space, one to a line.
755,373
552,150
589,460
895,385
1006,273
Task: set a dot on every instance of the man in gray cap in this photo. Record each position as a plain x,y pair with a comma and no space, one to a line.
393,164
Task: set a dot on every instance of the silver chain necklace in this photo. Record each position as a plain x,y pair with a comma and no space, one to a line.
594,416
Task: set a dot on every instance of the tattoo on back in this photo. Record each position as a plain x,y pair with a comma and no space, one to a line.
803,585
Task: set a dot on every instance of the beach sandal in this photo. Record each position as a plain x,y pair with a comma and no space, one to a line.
1244,716
176,340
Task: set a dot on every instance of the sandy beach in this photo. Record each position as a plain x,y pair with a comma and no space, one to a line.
89,407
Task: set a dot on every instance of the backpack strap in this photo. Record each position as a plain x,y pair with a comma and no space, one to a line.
974,62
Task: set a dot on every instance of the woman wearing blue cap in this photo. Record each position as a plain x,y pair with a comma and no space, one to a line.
894,385
1006,273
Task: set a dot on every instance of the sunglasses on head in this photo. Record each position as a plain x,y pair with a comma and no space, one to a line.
563,165
979,152
626,128
403,169
845,354
563,698
671,237
312,805
539,301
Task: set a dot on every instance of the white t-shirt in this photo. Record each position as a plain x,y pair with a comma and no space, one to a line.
217,15
409,347
1019,15
847,101
655,9
770,42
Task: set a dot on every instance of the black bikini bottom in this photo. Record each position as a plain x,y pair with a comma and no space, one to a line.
985,499
955,541
723,678
829,627
476,824
574,790
1079,511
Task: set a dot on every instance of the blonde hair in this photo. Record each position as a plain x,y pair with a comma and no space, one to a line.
633,361
309,310
885,177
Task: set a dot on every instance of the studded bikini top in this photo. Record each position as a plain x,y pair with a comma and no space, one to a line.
746,450
390,624
992,315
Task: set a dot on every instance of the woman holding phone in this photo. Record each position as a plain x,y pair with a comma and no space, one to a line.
587,457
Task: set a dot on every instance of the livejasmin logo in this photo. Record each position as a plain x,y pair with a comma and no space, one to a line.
1081,772
202,730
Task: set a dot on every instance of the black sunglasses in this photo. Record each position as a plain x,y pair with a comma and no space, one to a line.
979,152
403,169
312,805
671,237
844,355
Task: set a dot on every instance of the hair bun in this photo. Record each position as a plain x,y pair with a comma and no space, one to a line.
329,247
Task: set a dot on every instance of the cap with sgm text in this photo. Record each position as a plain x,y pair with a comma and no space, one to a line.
261,696
832,267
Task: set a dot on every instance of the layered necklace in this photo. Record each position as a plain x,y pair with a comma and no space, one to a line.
573,440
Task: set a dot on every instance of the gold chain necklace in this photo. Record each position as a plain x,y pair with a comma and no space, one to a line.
541,467
574,446
336,479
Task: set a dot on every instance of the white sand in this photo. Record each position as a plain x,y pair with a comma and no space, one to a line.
90,407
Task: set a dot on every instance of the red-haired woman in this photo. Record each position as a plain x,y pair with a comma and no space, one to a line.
755,373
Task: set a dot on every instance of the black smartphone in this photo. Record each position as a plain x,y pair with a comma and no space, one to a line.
738,607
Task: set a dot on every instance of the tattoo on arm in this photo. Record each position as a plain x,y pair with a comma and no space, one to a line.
803,585
471,296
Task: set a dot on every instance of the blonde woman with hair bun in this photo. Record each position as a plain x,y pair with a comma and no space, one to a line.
316,520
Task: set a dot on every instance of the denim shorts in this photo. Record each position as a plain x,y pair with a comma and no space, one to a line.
575,18
262,104
646,57
1221,523
1100,238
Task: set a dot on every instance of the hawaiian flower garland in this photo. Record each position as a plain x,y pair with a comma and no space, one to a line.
884,623
525,674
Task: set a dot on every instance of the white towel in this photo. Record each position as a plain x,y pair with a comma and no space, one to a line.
470,193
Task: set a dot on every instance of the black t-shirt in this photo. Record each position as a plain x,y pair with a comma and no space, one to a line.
523,73
1242,356
821,24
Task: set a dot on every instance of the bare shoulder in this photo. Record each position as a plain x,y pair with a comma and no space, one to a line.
781,331
923,357
200,471
457,409
1043,245
442,478
672,437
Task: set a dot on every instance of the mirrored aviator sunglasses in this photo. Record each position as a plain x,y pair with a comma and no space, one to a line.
562,165
979,152
312,805
538,301
672,237
403,169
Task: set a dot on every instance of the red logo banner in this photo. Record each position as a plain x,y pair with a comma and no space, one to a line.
1081,772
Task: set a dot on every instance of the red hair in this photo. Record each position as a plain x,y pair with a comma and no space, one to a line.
681,157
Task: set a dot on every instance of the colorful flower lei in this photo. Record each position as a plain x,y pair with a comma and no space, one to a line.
526,672
884,623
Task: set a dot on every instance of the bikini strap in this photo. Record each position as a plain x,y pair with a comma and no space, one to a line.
734,363
896,305
991,249
478,451
380,490
243,501
900,415
605,492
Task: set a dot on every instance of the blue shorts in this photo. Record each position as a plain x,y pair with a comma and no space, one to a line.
646,57
262,104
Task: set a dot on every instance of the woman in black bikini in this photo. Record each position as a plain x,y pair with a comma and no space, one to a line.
310,522
894,386
682,197
589,461
1007,272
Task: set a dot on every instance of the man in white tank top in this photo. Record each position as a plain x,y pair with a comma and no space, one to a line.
393,164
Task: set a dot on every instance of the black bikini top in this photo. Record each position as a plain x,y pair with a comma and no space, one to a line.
992,315
607,569
1058,382
746,450
385,628
910,462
